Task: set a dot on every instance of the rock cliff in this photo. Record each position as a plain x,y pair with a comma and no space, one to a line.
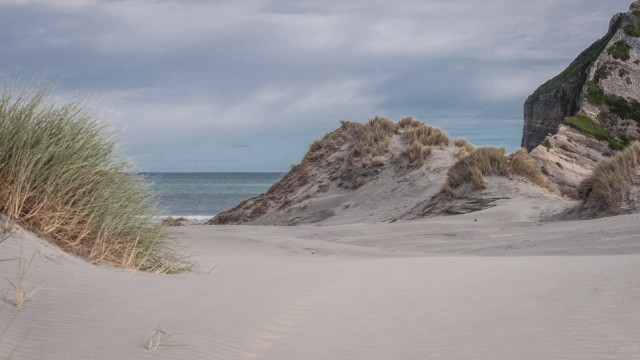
546,108
591,110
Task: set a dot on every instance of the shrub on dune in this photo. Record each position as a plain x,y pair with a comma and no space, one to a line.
482,162
425,135
523,165
413,156
59,177
610,183
487,161
466,148
372,139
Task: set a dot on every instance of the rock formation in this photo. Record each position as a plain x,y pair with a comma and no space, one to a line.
546,108
591,110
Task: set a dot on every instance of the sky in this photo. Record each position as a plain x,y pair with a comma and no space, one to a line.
196,85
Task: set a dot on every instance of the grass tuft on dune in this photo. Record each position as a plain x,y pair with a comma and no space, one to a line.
610,183
487,161
60,178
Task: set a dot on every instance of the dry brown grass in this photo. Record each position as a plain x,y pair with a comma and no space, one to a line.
409,122
372,139
321,149
18,284
487,161
413,156
523,165
482,162
466,148
610,183
425,135
418,138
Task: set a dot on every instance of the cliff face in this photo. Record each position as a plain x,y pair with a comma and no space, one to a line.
546,108
544,113
591,110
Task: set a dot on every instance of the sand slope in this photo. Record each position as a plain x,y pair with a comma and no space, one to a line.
495,284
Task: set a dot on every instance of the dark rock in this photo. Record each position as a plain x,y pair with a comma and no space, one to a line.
544,114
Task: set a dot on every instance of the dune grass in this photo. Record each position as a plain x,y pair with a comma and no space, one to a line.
425,135
482,162
418,139
60,178
610,183
487,161
372,139
413,156
466,148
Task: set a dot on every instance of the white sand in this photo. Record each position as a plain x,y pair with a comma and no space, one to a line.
495,284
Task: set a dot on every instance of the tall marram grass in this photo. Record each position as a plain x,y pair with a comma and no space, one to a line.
418,138
60,177
486,161
610,183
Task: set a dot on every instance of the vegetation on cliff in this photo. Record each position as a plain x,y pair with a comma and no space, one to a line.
587,125
634,28
59,177
620,50
580,65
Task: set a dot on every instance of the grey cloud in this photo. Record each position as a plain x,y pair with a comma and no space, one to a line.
280,73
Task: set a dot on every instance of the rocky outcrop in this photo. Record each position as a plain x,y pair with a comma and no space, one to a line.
568,157
568,136
546,108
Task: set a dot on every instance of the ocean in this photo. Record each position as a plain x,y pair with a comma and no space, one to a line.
200,196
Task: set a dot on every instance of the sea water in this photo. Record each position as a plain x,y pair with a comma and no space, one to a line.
200,196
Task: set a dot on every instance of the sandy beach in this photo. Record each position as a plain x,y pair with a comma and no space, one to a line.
495,284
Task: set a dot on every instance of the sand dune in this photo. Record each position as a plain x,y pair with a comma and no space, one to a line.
495,284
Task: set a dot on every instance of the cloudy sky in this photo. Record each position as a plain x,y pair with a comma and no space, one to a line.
222,85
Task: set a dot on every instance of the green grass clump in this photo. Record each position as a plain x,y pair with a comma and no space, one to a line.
547,144
610,183
586,125
59,177
620,50
623,72
579,65
617,105
625,109
594,94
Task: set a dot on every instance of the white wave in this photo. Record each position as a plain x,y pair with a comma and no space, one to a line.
199,219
